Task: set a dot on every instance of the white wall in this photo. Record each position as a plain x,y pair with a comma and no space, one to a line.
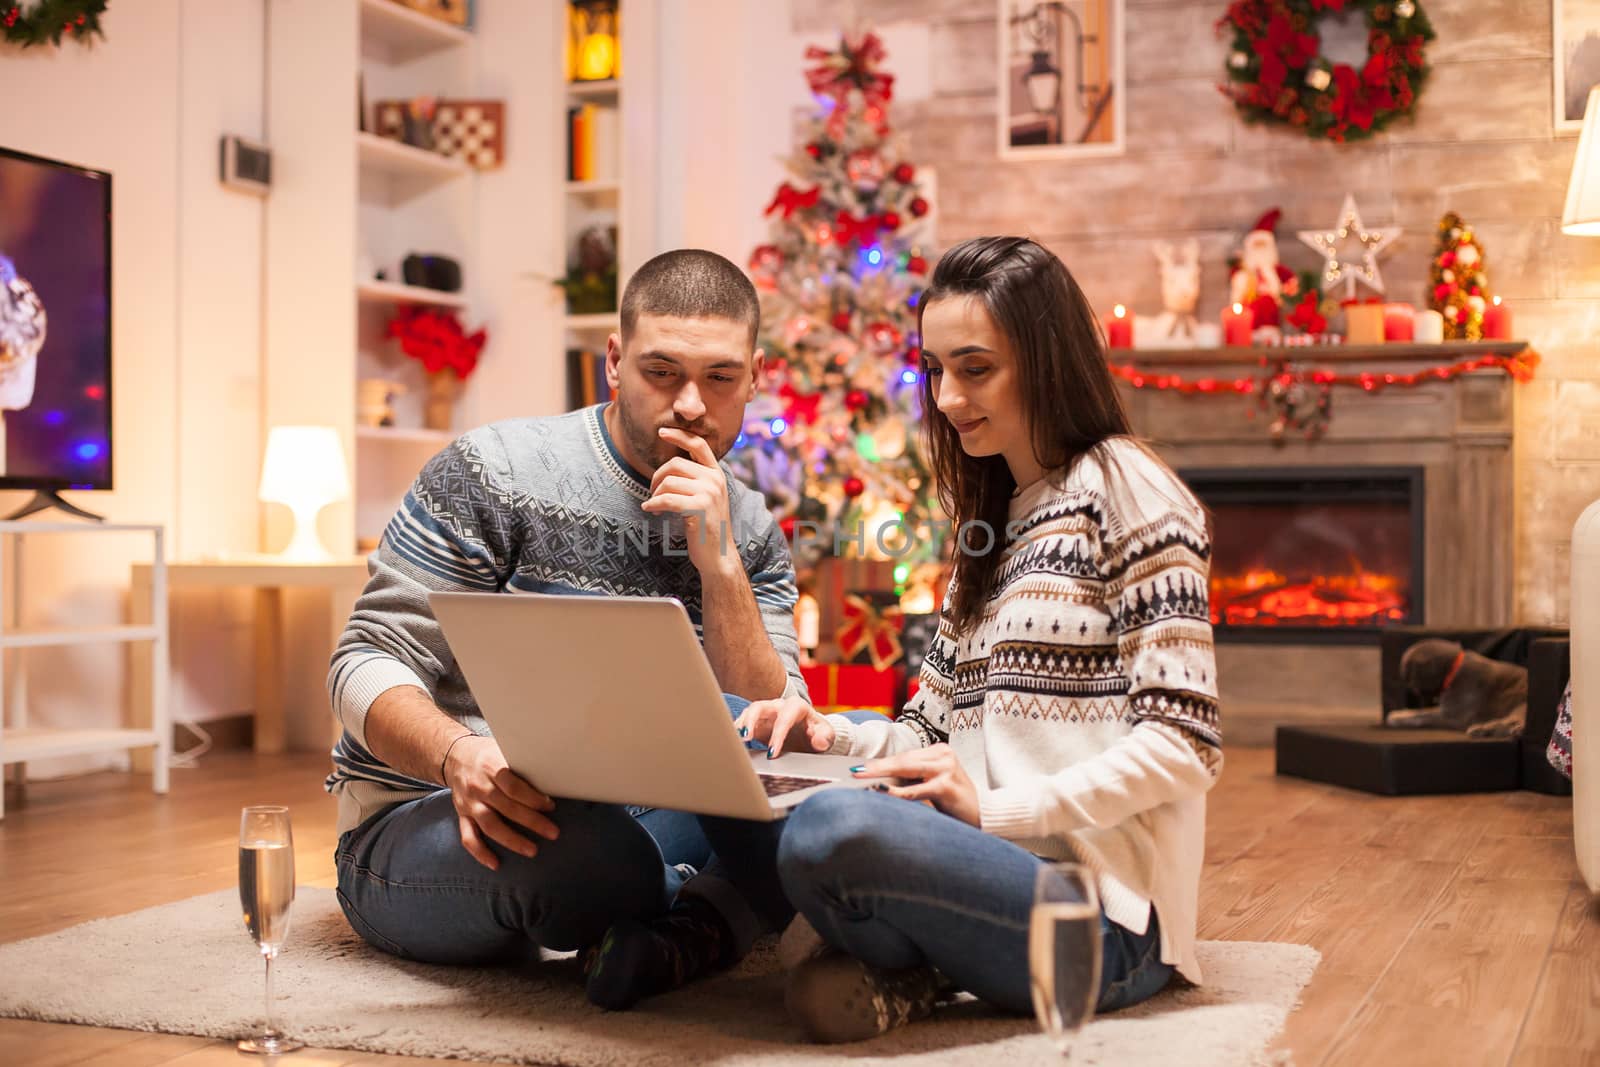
147,103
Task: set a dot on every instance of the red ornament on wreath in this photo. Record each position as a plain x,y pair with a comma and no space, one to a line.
1277,73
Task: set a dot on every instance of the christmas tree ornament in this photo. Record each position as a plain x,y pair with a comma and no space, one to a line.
1349,236
864,168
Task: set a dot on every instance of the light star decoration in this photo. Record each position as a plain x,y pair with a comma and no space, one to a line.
1337,270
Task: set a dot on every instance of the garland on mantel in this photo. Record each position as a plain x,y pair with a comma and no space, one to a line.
1301,398
50,20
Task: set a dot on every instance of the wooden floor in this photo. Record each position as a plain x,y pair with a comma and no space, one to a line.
1454,930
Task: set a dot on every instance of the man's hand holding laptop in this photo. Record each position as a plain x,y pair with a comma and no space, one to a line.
486,793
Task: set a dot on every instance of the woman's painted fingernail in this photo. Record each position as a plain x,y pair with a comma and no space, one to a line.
744,731
858,770
880,788
771,754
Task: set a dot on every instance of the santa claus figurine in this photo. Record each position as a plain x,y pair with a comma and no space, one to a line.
1259,281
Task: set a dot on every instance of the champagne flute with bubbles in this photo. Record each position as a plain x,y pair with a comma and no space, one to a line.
1064,950
266,892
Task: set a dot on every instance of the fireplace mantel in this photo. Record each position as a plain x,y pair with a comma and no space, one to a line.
1459,430
1393,352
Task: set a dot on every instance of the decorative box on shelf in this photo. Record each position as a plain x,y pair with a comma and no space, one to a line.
852,687
451,11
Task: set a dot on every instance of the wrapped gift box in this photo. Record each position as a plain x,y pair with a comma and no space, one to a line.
851,687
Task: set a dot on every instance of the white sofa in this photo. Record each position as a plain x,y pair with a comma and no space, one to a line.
1586,694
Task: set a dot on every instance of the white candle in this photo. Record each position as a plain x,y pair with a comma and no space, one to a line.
807,621
1429,328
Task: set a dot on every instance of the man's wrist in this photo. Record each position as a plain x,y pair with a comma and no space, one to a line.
444,762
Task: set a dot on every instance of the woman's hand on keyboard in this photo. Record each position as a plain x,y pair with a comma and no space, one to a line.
786,725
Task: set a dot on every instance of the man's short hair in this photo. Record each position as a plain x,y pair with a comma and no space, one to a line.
691,283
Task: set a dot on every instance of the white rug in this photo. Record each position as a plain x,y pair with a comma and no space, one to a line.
190,968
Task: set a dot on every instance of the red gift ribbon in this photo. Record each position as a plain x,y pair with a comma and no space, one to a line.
866,627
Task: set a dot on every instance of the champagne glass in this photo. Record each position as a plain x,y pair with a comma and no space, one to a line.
1064,950
266,890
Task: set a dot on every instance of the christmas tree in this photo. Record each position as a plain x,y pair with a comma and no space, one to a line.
832,439
1460,288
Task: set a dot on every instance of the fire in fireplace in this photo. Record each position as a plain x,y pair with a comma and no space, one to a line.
1311,552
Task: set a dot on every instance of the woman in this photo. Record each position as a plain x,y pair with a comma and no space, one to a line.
1067,707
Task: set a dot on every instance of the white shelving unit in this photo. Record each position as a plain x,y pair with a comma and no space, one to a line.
410,200
20,741
396,293
397,435
408,34
386,156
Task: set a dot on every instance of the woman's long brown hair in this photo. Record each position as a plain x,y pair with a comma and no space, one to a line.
1069,399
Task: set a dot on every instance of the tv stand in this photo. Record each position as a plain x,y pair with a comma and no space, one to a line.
44,500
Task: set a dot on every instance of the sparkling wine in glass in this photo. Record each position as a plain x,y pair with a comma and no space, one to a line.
266,892
1064,950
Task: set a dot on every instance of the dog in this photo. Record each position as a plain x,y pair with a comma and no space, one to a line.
1464,691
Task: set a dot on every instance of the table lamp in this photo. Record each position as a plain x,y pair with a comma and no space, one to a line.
1582,215
305,469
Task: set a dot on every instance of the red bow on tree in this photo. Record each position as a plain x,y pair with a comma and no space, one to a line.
866,627
853,66
847,228
799,408
790,199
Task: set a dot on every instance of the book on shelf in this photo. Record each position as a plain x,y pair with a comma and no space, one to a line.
586,378
593,143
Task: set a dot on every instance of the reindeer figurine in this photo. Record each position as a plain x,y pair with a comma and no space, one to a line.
1180,288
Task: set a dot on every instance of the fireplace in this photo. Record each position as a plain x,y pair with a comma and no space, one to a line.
1313,554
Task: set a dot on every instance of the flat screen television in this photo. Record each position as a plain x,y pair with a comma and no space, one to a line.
55,328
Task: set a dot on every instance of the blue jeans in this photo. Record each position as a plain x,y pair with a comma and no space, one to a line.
409,887
898,884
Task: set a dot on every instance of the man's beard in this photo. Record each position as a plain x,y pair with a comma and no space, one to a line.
649,446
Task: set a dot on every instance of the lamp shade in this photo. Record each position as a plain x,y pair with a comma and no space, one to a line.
1582,215
304,467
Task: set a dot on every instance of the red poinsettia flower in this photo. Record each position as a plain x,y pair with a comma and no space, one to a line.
1413,52
435,337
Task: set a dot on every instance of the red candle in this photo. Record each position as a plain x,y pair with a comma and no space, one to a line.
1119,328
1399,322
1497,321
1237,322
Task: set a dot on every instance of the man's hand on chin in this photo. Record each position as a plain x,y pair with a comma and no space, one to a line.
693,486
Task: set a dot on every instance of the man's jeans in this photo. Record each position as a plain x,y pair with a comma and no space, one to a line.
897,884
409,887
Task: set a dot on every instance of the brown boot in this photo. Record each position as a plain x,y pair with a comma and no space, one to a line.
837,998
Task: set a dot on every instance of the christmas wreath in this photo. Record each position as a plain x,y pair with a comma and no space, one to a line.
1277,72
36,22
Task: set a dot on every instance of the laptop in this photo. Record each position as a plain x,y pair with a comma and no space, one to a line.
611,698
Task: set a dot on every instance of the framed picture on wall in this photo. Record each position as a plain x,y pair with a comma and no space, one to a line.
1061,78
1576,36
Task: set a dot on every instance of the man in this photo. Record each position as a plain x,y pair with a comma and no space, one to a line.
445,855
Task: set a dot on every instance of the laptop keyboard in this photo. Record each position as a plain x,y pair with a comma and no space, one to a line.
778,784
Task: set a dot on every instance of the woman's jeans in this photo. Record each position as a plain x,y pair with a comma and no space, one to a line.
898,884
